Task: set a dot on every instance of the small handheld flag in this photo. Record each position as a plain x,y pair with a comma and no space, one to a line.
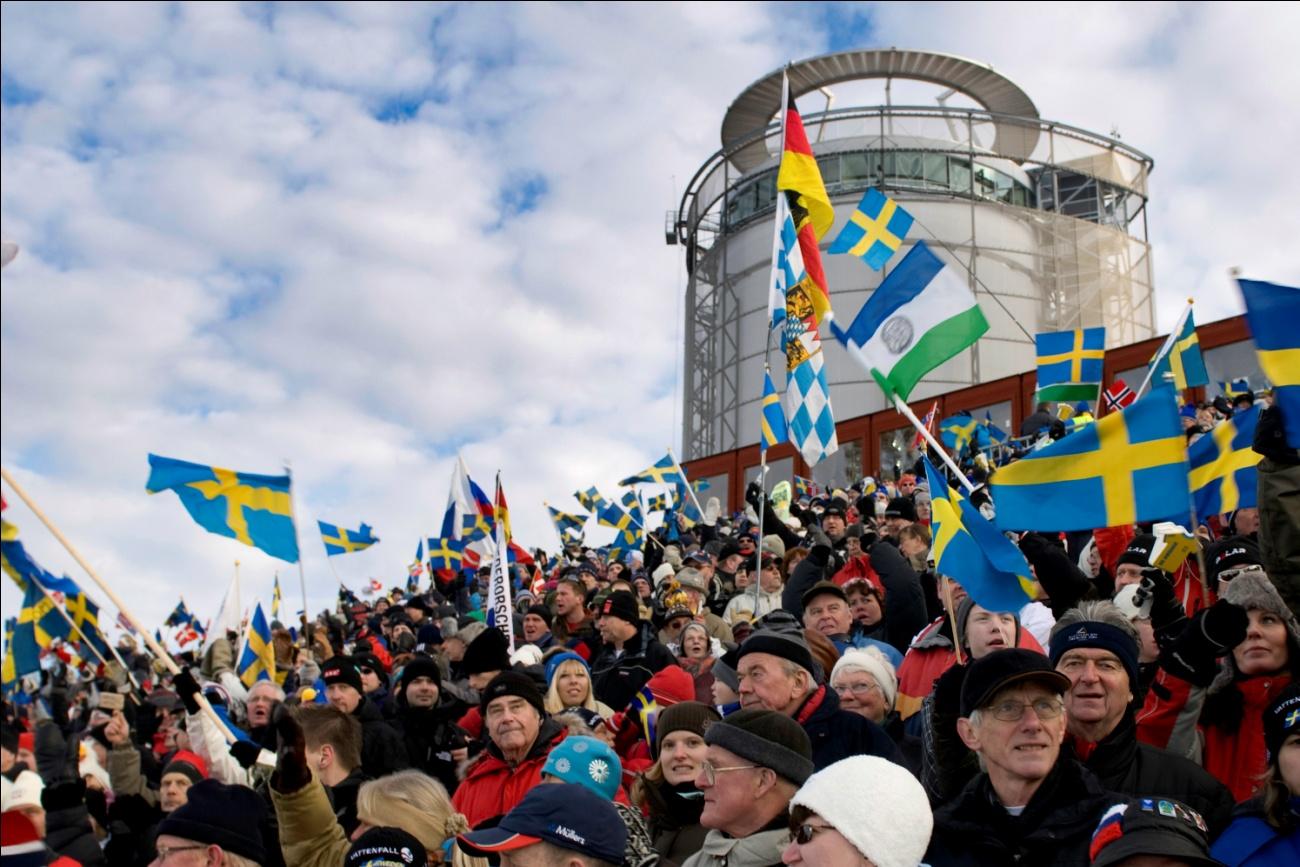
661,472
1070,364
1183,361
1235,388
1272,312
875,230
257,662
341,541
1223,466
1118,396
772,418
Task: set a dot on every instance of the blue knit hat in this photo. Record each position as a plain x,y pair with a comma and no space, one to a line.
554,663
588,762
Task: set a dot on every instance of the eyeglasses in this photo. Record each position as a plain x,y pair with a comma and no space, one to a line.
856,688
164,852
711,773
1228,574
1013,711
804,834
365,670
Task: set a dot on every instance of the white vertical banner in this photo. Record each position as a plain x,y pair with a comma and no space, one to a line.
500,609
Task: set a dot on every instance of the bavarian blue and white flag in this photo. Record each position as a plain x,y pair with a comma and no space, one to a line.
787,265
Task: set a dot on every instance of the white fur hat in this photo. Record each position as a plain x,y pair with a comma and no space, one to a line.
874,663
25,791
662,571
89,766
876,805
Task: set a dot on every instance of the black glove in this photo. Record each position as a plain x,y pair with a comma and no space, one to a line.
1224,625
246,753
188,689
63,795
1168,619
754,494
1194,655
820,554
291,772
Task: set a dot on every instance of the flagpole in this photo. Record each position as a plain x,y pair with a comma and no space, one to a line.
1164,348
916,422
157,649
84,640
302,571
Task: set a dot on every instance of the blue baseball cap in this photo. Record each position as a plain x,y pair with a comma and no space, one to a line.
587,762
565,815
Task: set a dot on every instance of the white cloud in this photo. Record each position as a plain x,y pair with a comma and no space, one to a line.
227,257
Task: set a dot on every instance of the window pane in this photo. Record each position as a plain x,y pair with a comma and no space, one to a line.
855,168
896,453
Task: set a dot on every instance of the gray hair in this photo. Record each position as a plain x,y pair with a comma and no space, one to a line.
277,691
1098,611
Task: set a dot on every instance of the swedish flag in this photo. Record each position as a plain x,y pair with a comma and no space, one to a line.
995,433
341,541
19,565
1070,363
1272,312
446,554
772,420
971,551
1183,360
566,523
875,230
255,509
275,597
663,472
1130,466
1235,388
1223,475
85,616
959,432
632,505
39,623
9,668
659,503
257,662
613,515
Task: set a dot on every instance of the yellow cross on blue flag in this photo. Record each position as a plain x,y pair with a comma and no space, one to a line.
875,230
772,419
1224,477
257,662
446,555
661,472
958,432
591,499
1235,387
971,551
1070,364
275,597
340,541
1272,312
1183,360
1130,466
253,509
39,623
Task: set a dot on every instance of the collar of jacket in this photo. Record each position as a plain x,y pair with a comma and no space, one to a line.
818,697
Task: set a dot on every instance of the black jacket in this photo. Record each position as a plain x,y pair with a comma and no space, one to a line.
343,798
431,734
616,678
1055,828
1127,767
382,749
904,613
837,733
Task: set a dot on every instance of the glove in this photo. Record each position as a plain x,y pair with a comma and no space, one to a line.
61,796
1194,655
187,688
291,773
246,753
1167,617
1224,625
754,494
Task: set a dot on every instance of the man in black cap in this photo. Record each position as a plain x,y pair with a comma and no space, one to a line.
834,521
537,627
427,717
520,737
776,671
382,750
426,631
756,761
724,583
1135,560
628,655
561,824
1030,805
826,610
900,512
217,821
485,658
1096,647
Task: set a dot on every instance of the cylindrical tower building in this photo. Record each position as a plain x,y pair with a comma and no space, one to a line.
1049,218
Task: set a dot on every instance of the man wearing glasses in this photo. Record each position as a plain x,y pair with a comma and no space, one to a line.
219,826
756,761
1030,805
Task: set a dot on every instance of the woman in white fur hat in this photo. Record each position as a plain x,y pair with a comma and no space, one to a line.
862,810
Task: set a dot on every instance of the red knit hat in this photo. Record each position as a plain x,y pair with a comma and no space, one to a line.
189,764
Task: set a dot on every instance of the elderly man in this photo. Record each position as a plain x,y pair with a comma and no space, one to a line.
1030,805
776,673
755,762
629,655
1096,647
561,825
520,736
219,825
826,610
260,704
382,750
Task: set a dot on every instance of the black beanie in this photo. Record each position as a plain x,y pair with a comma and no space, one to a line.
1138,551
1280,720
381,847
543,612
420,666
489,652
512,683
342,669
768,739
1231,553
220,815
622,605
792,648
9,738
691,716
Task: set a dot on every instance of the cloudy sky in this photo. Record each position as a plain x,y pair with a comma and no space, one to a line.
364,237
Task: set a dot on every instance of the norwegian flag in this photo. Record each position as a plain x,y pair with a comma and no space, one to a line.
927,423
538,587
1118,396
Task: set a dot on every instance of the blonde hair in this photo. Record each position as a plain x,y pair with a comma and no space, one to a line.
230,859
553,703
413,801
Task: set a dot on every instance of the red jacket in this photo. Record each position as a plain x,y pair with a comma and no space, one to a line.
1237,758
492,787
930,655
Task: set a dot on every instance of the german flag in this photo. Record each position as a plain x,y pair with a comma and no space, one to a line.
810,206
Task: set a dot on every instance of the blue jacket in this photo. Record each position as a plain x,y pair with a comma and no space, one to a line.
1252,842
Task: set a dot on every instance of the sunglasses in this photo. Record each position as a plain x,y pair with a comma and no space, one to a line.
1228,574
804,833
